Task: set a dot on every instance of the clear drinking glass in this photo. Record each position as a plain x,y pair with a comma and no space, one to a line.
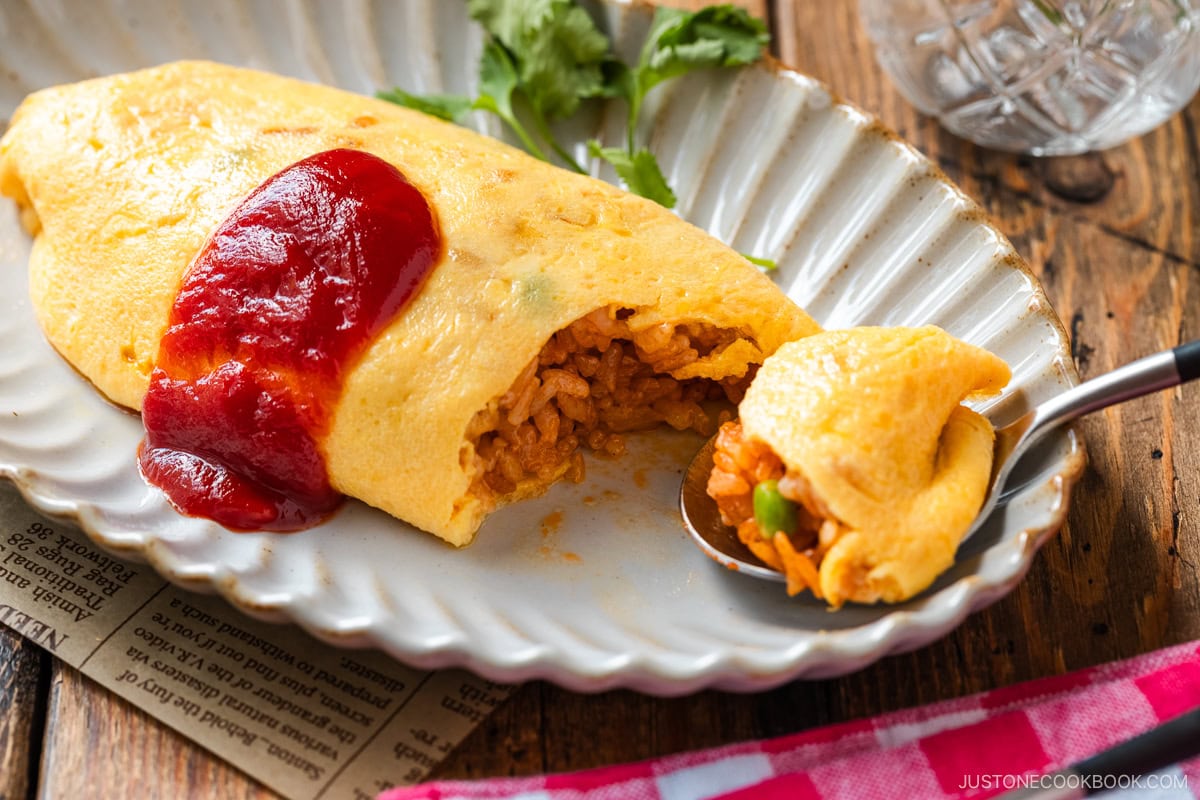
1046,77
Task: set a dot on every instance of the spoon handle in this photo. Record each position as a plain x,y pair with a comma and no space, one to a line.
1187,359
1150,374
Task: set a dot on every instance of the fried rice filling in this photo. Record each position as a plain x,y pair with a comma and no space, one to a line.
593,382
739,465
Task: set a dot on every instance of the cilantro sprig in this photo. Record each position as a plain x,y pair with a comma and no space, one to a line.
638,169
559,59
545,58
680,42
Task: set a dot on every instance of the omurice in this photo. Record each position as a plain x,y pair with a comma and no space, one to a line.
854,467
309,293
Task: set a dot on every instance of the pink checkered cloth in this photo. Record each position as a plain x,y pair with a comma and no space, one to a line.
973,747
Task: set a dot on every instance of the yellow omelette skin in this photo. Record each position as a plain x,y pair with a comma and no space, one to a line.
123,178
871,418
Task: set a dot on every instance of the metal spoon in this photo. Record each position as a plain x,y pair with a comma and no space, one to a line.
1150,374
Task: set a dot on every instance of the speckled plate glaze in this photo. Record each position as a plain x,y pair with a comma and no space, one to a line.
594,585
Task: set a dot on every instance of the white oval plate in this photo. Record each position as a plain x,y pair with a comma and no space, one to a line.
596,585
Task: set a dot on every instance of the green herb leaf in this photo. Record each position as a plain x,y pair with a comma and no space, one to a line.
1049,12
679,42
559,57
559,54
450,107
545,57
497,78
765,263
640,172
717,36
497,83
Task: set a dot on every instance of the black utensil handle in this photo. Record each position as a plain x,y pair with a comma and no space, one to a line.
1187,360
1169,743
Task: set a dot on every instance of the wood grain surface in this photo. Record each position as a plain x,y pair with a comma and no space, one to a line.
1113,237
23,670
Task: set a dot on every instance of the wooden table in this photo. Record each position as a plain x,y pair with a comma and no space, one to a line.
1115,238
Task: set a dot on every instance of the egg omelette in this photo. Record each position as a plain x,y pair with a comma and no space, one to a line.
122,179
865,431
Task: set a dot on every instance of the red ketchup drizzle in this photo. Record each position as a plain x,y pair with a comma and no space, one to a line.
275,309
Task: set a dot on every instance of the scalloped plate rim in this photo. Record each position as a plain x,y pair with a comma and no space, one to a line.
821,654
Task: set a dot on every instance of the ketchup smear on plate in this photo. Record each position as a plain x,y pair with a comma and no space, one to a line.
286,294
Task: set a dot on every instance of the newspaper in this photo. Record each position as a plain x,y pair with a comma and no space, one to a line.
305,718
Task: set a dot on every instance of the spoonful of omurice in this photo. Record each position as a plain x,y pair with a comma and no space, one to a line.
854,471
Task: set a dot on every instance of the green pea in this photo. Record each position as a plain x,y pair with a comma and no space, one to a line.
772,511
